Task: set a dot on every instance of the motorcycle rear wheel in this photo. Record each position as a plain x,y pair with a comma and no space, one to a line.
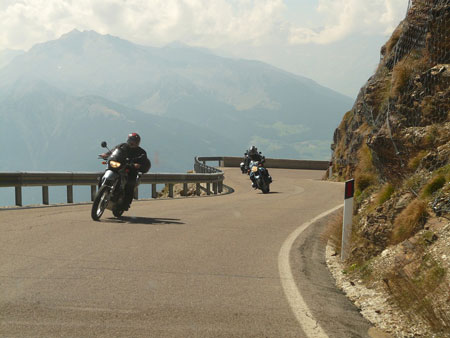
100,203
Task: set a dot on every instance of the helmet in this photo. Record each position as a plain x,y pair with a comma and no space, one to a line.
253,150
134,138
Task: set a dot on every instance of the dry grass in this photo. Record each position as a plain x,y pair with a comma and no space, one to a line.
415,182
414,162
365,159
385,193
434,185
363,181
340,146
428,107
440,177
401,75
178,190
347,117
365,174
445,170
404,71
380,97
362,270
389,46
366,179
420,295
333,231
409,221
433,136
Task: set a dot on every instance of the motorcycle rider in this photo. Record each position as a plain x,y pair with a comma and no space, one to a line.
141,164
252,154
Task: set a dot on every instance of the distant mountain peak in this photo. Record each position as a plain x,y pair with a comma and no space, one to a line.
79,42
86,34
74,31
182,82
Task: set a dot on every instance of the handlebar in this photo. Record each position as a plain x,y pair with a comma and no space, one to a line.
129,163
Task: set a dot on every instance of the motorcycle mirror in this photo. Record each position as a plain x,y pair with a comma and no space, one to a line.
104,144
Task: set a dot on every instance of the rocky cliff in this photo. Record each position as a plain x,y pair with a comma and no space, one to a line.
395,142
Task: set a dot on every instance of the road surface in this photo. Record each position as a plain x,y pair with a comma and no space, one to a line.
219,266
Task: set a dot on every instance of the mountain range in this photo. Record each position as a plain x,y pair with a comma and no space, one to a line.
61,98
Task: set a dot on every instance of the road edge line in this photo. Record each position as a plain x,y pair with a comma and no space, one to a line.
301,311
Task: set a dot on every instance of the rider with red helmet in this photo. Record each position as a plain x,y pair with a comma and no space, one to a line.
141,164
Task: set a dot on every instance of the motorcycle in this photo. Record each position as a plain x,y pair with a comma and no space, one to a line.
243,169
112,183
260,176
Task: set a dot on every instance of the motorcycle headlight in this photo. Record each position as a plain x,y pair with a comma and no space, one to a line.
254,169
114,164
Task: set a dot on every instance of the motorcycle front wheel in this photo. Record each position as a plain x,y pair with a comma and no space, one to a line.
100,202
265,188
117,212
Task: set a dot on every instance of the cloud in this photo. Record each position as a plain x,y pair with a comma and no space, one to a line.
197,22
345,17
211,23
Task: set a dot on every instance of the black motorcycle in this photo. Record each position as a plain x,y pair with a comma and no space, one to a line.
111,192
260,176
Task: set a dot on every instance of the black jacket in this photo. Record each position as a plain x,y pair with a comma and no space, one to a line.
137,155
254,157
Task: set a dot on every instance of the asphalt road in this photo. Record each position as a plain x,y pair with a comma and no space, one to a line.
214,266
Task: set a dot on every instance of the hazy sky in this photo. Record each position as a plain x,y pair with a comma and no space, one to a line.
334,42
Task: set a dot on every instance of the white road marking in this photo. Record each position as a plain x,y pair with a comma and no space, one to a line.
304,316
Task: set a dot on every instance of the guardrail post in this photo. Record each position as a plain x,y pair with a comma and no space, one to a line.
215,187
185,188
208,188
220,187
154,194
93,191
18,196
197,189
45,194
171,190
70,194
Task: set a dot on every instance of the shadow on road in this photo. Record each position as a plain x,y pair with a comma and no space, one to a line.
143,220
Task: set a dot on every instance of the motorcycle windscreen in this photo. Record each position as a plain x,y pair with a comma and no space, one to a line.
118,155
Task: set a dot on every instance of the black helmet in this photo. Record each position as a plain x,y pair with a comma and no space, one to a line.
253,150
134,138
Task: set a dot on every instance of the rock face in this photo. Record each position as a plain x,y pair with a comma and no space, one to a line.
395,142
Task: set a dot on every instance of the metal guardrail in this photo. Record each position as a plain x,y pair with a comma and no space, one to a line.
201,167
234,161
204,174
210,176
